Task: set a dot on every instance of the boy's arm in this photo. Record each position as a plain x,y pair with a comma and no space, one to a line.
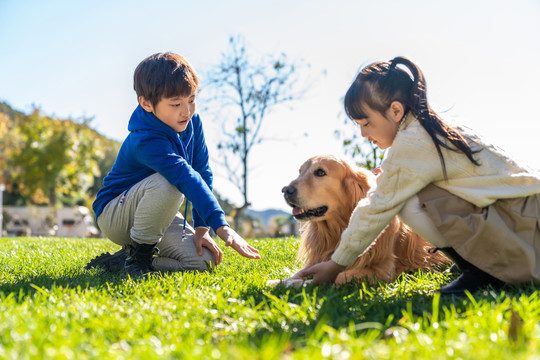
157,153
200,163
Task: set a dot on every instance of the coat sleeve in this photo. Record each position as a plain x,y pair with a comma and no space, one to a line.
201,165
157,153
408,168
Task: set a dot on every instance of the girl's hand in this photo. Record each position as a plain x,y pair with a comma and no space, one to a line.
235,241
203,238
323,273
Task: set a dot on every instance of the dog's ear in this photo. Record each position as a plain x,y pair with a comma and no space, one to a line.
358,181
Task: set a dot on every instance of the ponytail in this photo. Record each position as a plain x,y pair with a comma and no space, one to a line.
379,84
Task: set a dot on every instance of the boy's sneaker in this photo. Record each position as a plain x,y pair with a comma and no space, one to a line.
108,262
139,260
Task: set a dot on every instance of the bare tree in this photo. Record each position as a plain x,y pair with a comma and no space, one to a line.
246,91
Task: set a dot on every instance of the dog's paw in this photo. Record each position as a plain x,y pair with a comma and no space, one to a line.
273,282
290,282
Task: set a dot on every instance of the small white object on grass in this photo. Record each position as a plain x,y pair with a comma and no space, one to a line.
290,282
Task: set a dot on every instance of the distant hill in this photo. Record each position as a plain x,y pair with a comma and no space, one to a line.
266,215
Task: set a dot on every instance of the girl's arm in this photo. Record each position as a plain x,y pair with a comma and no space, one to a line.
411,164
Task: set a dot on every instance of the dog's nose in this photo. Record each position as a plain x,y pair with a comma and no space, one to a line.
288,190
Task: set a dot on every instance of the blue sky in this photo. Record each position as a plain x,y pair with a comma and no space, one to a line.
480,58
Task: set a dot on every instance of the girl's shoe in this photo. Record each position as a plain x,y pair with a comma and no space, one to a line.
471,279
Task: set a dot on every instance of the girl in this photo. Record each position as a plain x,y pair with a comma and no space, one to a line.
462,194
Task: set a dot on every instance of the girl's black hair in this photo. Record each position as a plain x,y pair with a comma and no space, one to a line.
381,83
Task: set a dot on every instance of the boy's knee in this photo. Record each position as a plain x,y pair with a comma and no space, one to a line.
203,263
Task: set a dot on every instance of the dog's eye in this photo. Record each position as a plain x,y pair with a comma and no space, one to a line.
319,173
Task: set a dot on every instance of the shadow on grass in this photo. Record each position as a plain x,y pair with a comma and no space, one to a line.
359,308
31,285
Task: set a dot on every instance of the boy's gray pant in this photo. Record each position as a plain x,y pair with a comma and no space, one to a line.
148,214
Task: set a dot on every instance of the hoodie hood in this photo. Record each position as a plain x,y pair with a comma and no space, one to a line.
144,120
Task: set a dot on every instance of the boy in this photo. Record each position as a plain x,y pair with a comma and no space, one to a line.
163,159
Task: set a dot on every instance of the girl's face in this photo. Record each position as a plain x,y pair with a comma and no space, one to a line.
380,129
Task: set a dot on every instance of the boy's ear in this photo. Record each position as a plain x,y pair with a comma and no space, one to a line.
396,111
145,104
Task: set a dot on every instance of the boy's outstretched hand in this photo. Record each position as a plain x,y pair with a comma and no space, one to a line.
235,241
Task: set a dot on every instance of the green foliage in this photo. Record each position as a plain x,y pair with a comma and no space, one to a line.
40,154
361,150
52,161
50,308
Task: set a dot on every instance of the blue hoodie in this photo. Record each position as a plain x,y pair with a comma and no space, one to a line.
182,158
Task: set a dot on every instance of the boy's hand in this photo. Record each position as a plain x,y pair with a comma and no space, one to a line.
323,273
203,238
234,240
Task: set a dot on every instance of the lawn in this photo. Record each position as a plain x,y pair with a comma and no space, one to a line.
50,307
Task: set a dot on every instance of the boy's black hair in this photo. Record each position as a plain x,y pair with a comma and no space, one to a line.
164,75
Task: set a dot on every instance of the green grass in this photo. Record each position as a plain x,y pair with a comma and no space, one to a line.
50,307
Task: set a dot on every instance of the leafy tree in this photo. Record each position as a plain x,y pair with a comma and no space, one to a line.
52,161
105,151
360,149
6,144
40,156
91,157
247,90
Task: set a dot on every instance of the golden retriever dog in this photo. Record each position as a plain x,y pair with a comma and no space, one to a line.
323,197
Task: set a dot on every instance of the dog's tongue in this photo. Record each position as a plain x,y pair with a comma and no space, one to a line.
296,210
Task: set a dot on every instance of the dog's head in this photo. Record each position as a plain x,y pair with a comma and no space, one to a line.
326,188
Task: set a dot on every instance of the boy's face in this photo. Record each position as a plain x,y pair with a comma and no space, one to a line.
176,112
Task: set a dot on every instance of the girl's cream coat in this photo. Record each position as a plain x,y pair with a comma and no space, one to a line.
412,163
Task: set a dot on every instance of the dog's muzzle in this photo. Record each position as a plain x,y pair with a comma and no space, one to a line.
290,193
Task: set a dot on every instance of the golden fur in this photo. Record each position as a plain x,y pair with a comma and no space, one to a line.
324,196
